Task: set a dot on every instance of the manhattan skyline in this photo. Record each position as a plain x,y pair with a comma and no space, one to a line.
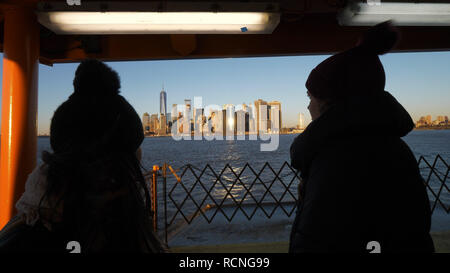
163,102
419,81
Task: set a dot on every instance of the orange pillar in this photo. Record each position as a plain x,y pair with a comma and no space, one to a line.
19,106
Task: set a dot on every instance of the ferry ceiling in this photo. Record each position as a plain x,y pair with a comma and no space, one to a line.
72,30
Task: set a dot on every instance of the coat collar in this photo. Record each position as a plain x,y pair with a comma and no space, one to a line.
379,114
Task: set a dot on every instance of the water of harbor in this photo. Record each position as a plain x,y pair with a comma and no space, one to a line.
218,153
157,150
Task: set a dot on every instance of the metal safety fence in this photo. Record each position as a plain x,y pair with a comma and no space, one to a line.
189,192
435,174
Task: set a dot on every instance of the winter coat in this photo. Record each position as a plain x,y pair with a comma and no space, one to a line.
361,181
28,231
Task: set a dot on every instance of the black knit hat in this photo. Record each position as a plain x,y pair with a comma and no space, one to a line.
357,71
95,119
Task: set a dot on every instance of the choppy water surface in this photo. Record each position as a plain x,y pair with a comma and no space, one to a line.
217,154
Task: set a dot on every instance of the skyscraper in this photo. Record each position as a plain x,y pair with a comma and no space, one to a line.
187,103
163,102
198,121
146,122
162,125
154,123
261,115
274,123
252,118
242,121
301,121
229,123
216,120
188,113
174,112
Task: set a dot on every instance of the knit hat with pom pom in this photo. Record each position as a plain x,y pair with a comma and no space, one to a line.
357,71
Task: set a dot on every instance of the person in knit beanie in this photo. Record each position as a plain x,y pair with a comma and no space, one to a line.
361,185
357,71
95,118
90,189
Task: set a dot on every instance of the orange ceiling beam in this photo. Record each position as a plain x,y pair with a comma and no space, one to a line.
287,40
307,27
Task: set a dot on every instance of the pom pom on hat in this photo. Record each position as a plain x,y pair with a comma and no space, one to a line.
379,39
357,71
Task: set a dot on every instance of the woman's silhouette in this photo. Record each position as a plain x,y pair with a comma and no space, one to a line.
90,189
361,181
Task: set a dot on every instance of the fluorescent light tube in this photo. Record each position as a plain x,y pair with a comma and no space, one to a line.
118,22
403,14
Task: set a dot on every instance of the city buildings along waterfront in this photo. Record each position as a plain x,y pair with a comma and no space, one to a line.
222,122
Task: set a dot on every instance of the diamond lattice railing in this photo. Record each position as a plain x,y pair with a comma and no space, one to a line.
435,178
190,191
231,187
